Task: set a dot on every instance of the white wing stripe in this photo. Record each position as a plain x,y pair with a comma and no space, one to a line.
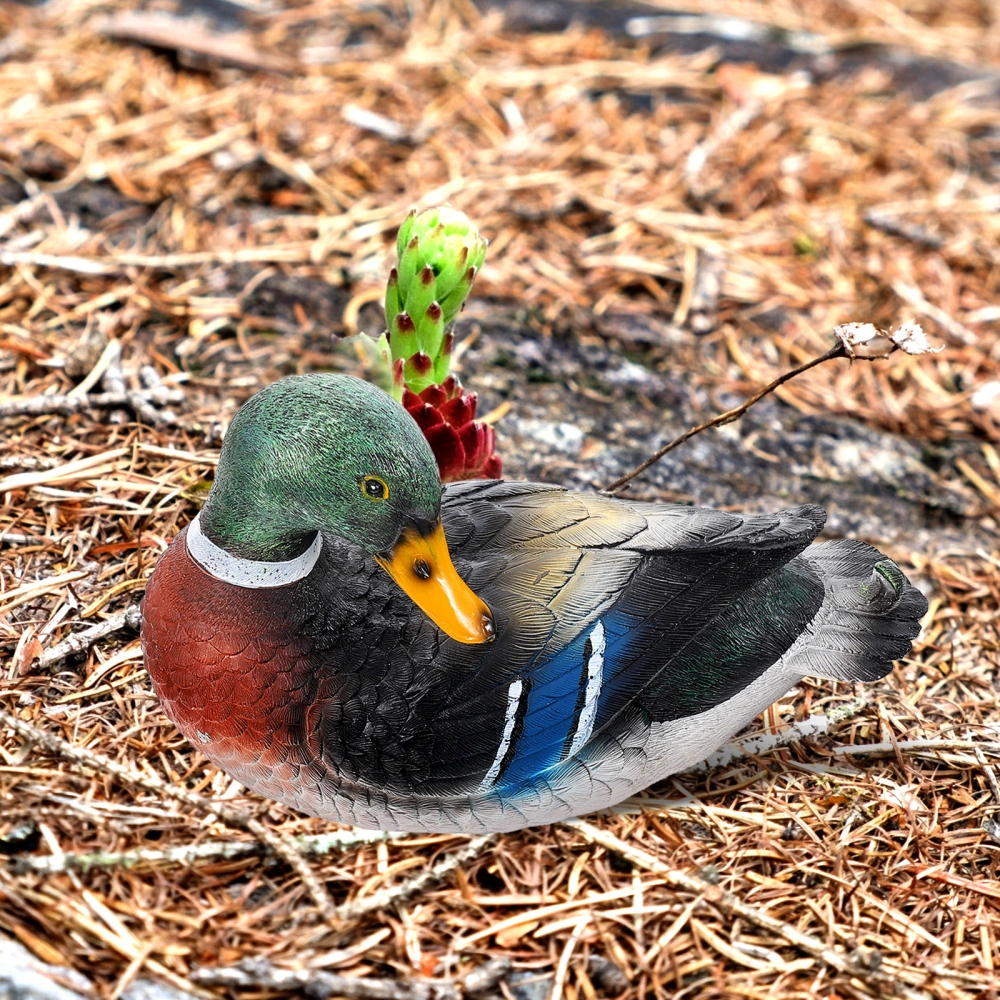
595,678
513,703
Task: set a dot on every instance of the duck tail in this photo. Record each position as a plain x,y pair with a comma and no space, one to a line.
869,617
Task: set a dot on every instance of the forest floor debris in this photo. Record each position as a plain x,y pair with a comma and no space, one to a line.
177,235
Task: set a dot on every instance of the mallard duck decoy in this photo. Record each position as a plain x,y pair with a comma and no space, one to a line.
309,632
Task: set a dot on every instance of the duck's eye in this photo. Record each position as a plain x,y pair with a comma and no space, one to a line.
374,488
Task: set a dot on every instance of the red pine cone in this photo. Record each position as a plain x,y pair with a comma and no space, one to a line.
462,445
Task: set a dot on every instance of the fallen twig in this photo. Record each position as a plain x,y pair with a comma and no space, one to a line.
282,846
315,845
894,225
28,462
143,402
889,749
259,973
814,725
131,618
398,893
19,538
729,27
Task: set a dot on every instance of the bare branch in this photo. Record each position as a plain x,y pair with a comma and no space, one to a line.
315,845
186,35
258,973
396,894
143,402
837,351
78,642
857,341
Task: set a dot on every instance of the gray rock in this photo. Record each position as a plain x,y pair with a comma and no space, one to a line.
530,985
24,977
562,437
152,989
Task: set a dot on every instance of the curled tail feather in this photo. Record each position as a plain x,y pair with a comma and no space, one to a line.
869,617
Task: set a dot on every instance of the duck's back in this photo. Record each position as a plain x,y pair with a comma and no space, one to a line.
632,640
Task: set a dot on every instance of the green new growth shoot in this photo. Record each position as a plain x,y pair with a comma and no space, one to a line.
440,253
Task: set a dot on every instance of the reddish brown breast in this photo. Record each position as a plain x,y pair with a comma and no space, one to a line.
230,668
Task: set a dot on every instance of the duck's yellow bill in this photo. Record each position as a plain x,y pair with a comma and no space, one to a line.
421,565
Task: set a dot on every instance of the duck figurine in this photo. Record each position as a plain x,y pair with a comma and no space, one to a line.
341,634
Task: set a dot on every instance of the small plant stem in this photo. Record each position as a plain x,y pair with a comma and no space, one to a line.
730,415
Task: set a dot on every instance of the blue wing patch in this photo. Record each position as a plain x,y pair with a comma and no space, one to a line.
554,709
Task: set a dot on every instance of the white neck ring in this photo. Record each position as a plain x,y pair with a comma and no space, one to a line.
253,574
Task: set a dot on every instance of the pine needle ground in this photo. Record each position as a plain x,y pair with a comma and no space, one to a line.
186,217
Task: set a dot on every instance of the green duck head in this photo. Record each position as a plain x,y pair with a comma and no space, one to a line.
333,453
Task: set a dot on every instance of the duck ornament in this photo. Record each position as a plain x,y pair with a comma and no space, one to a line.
340,633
